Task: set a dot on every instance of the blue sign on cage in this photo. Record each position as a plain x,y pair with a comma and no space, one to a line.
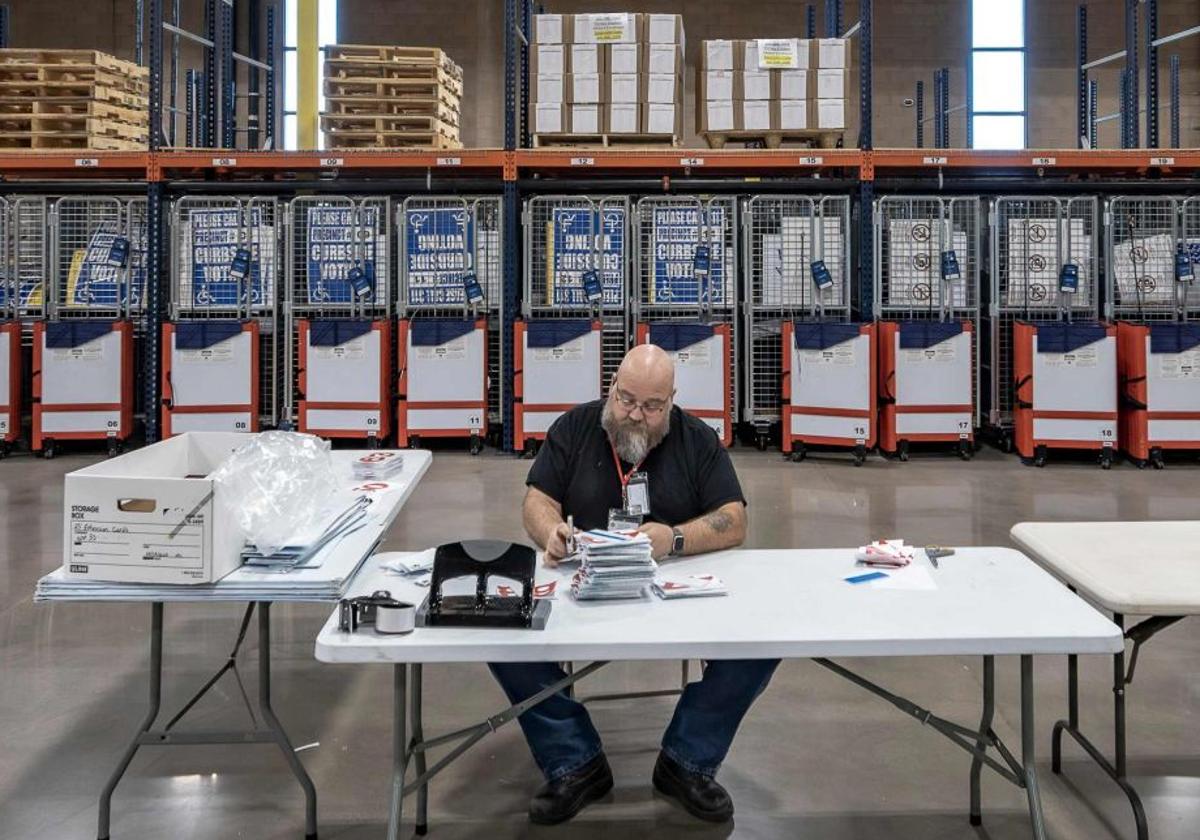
688,254
572,238
224,264
472,289
342,245
1184,272
440,249
821,275
94,281
1068,279
950,270
118,252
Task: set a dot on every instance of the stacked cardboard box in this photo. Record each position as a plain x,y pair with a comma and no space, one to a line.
391,97
607,75
771,85
72,99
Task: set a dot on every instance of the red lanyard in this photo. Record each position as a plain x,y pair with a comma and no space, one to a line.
624,476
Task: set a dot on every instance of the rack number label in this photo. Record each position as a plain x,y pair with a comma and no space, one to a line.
1162,161
87,163
583,161
224,162
1045,161
449,161
691,161
811,161
936,161
328,162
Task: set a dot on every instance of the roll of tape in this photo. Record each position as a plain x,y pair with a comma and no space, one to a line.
396,617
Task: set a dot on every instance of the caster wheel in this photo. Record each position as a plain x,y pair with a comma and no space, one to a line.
1159,464
1157,459
902,451
372,442
49,450
860,455
1007,445
1141,465
414,442
476,445
1039,462
799,454
1039,456
965,452
528,453
5,450
761,443
1106,461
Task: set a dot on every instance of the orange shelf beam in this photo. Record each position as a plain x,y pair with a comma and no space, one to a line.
1045,159
229,161
73,163
745,161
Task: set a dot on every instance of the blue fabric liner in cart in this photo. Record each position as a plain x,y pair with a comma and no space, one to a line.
1174,338
673,337
434,332
333,333
1067,338
918,335
60,334
821,335
198,335
555,333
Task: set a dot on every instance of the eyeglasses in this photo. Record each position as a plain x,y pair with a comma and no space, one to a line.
649,407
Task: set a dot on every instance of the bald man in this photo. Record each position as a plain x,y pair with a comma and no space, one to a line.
635,456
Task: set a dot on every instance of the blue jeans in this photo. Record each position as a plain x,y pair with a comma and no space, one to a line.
562,738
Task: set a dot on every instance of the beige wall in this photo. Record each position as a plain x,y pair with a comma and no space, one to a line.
912,38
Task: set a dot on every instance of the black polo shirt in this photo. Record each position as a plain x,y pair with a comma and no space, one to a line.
690,473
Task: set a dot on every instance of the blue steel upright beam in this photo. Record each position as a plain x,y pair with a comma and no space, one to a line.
810,22
139,32
209,79
523,65
920,106
1093,113
866,127
155,251
1134,114
1174,102
4,25
189,105
173,79
1124,110
1151,74
228,76
1081,90
274,122
831,19
945,107
866,186
512,213
253,74
937,109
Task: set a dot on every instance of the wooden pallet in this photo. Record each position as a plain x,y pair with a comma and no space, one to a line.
355,112
73,89
43,141
70,106
42,124
390,140
93,58
607,141
338,91
358,73
775,139
36,73
338,127
431,56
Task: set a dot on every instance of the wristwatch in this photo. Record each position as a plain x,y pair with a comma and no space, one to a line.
676,542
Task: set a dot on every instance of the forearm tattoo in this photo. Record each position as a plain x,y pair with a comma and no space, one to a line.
719,521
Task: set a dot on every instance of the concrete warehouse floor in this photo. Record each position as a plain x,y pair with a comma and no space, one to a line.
817,758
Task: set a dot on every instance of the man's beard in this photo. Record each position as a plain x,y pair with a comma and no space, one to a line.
632,440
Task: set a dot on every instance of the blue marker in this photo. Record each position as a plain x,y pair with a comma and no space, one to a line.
864,578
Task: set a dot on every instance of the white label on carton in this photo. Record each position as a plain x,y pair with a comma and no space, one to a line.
572,351
691,161
1082,357
718,55
224,161
456,349
449,161
585,58
661,58
624,88
1162,161
328,163
811,161
93,351
1045,161
661,89
697,356
778,53
1179,365
944,352
623,58
661,28
793,84
838,354
353,349
548,29
583,161
935,161
87,163
756,84
171,544
610,28
220,353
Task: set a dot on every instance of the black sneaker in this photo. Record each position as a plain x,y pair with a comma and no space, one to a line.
566,796
700,795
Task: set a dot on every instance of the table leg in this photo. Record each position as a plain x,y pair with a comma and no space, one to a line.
985,727
1119,740
418,736
1072,720
156,640
399,747
276,728
1028,737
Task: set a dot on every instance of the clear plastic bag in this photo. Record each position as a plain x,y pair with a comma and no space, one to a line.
275,484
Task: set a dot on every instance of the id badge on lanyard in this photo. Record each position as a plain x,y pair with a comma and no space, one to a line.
635,489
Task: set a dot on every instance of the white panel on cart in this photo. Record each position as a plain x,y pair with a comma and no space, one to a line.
836,377
568,373
952,423
1173,380
1083,380
540,421
89,373
341,419
1053,429
217,375
226,421
936,375
444,418
80,421
716,424
700,374
347,372
450,372
5,423
1173,430
820,425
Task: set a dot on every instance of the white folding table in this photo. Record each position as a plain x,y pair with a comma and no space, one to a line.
1128,568
789,604
257,589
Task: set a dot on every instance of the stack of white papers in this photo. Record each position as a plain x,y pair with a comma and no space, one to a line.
614,565
688,586
407,562
378,466
337,520
888,554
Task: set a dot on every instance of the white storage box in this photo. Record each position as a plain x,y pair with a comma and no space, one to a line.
624,58
756,115
152,515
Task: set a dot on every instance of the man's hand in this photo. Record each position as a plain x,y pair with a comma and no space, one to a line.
556,545
661,537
